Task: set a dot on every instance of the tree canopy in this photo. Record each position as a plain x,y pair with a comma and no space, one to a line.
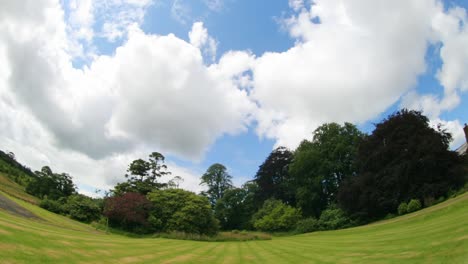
273,178
180,210
51,185
319,166
217,180
403,158
235,209
142,176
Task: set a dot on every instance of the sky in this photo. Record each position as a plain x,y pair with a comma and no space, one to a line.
88,86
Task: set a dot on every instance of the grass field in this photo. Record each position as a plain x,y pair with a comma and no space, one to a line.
438,234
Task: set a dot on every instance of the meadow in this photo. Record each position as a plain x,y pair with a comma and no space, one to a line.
438,234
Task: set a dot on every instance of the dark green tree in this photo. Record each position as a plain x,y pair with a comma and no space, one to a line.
273,178
319,166
235,209
51,185
217,180
404,158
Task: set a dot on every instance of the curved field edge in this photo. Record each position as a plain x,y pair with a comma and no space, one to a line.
438,234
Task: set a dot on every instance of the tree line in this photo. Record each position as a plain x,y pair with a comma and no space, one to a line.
342,177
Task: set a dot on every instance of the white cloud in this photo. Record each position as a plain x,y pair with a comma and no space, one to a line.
118,16
200,39
175,103
157,93
81,18
296,5
450,32
454,127
351,61
154,93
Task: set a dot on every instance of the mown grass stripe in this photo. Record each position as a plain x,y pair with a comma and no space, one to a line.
433,235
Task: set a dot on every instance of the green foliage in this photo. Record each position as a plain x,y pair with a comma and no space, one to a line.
217,180
82,208
403,158
183,211
273,178
15,170
235,209
219,237
142,176
54,206
51,185
334,218
76,206
276,216
414,205
403,208
307,225
78,243
319,166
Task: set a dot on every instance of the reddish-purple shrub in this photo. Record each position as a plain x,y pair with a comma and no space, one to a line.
129,211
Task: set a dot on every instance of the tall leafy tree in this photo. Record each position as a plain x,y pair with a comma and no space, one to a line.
320,166
273,178
403,158
142,176
235,209
217,180
51,185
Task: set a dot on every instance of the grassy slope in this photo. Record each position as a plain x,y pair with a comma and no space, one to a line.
434,235
13,189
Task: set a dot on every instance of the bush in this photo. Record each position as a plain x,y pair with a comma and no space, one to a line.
52,205
307,225
334,218
414,205
276,216
82,208
402,208
176,210
129,212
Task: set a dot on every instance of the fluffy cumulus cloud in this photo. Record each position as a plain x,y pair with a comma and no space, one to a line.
351,61
175,102
154,92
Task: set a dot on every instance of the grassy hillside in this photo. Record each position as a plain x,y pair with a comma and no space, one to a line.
8,186
15,170
434,235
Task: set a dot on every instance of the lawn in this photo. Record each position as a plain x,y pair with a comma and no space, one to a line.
438,234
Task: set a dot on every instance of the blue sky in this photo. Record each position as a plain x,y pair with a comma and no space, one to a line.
255,26
217,81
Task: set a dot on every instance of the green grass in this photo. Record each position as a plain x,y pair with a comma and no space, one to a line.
438,234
